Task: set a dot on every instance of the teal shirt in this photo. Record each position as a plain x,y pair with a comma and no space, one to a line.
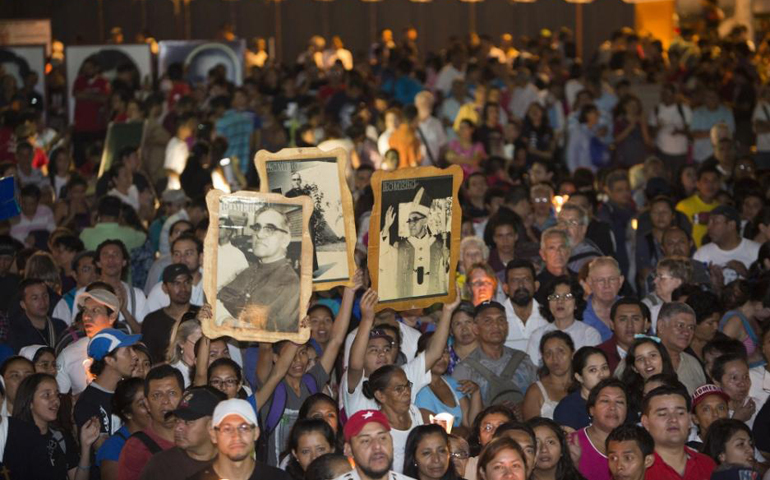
95,235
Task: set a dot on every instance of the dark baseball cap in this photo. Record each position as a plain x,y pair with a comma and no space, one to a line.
488,304
198,402
728,212
174,270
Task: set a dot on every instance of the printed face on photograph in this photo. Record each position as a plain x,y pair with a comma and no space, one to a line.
271,236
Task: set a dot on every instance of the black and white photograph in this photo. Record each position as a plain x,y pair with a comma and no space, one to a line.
257,260
200,56
108,58
26,64
318,177
415,238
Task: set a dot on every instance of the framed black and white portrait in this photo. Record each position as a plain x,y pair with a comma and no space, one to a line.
319,175
257,266
414,236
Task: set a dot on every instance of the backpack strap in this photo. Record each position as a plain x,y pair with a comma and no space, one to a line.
513,364
488,374
148,442
133,300
277,406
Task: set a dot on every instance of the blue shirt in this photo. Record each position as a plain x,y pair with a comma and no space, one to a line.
591,318
572,412
429,401
111,448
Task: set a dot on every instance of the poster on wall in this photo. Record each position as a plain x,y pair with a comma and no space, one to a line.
200,56
108,58
320,175
26,31
258,266
414,236
22,61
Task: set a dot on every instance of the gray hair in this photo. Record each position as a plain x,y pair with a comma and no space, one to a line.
578,209
554,232
671,309
602,261
474,241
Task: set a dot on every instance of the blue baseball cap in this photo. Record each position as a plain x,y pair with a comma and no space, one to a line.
108,340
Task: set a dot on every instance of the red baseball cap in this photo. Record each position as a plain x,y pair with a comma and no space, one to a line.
704,391
358,421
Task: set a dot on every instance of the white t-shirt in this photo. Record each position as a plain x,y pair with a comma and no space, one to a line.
177,152
667,119
446,76
139,311
400,436
132,198
746,253
582,335
519,332
158,299
352,402
435,139
71,365
392,475
235,264
762,112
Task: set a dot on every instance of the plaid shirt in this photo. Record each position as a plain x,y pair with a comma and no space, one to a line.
237,127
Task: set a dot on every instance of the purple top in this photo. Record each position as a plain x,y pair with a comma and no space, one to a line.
593,464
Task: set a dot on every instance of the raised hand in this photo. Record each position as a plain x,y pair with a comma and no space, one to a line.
368,302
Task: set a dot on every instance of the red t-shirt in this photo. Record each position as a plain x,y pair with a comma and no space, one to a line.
90,116
135,455
699,467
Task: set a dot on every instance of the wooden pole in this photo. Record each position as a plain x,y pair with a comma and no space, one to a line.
579,29
472,17
278,31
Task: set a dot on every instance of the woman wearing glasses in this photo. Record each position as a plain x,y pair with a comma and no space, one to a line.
444,393
428,455
392,391
563,311
482,432
669,275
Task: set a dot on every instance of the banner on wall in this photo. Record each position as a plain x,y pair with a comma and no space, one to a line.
26,32
200,56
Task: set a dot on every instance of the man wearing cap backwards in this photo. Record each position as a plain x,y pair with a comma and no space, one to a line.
271,282
100,311
665,414
493,357
369,443
729,255
421,259
113,359
193,449
709,404
156,329
234,431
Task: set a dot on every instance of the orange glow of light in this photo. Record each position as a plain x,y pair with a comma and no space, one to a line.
558,201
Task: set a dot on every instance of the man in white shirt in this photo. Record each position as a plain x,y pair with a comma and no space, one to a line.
430,132
728,256
338,52
186,249
670,122
454,70
177,150
369,442
523,94
521,308
33,215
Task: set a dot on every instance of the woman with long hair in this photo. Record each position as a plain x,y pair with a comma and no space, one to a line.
464,151
128,403
743,300
649,249
538,134
553,459
645,358
37,403
309,439
226,376
502,459
483,431
181,350
729,442
589,367
556,350
427,454
321,406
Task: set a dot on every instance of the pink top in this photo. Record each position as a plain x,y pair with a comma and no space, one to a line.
593,464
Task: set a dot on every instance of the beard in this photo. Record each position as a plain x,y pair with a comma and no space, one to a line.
521,297
376,473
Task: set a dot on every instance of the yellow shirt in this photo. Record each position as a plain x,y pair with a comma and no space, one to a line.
692,207
466,112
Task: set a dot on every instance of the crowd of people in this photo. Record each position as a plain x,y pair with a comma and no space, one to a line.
613,308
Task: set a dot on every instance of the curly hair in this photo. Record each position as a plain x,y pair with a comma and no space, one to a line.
577,293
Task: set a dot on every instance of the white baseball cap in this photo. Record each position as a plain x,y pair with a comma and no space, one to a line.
234,406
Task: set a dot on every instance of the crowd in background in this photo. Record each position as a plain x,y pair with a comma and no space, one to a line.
613,306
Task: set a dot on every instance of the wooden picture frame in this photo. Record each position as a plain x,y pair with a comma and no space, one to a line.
234,272
321,176
408,205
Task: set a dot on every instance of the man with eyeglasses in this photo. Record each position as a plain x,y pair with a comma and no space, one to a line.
234,432
502,374
605,280
421,260
194,450
156,329
369,442
574,220
271,284
163,387
676,329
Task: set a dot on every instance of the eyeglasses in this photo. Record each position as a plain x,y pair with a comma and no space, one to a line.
399,389
541,200
227,382
663,277
415,219
571,223
555,297
242,429
460,455
269,229
604,281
